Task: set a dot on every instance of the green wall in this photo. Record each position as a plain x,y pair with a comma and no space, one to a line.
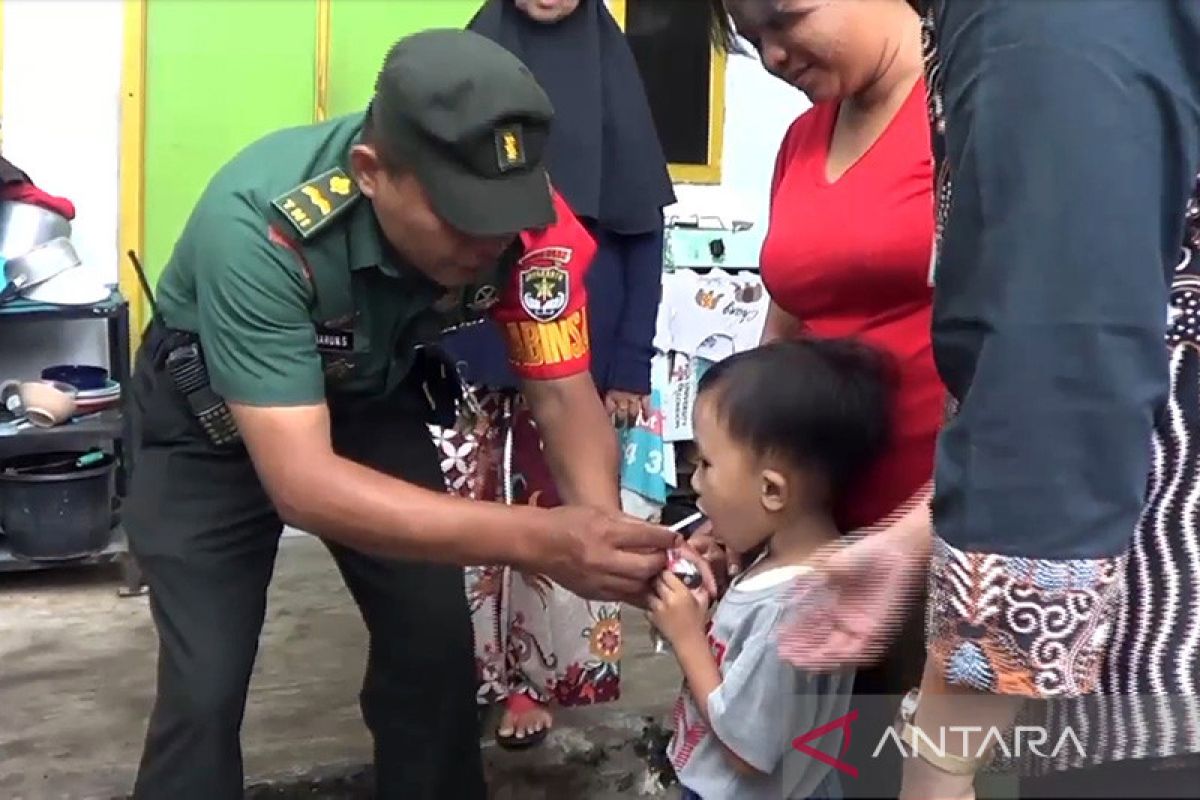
221,74
363,30
218,76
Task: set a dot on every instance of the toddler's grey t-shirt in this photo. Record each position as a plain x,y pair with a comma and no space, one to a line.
761,706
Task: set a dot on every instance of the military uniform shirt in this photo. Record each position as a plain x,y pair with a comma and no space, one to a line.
284,274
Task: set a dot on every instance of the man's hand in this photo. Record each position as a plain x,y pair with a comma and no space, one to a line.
856,601
675,610
602,555
626,408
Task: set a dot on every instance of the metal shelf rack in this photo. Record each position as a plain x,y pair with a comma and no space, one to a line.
110,426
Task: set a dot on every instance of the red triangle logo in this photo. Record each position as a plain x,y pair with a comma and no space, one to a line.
800,743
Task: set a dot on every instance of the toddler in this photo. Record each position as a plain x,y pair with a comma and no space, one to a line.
782,433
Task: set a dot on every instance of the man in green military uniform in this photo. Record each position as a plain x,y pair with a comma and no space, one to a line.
311,284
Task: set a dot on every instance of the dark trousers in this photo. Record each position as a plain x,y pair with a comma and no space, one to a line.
206,539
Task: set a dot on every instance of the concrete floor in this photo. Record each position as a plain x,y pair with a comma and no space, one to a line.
77,680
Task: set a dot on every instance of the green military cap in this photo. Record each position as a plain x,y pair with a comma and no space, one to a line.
471,121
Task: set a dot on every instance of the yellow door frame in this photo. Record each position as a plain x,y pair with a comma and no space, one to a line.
324,42
131,224
132,163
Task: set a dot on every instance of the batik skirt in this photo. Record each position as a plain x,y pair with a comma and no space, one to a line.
532,636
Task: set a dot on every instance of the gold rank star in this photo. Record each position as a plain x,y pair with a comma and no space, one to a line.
339,185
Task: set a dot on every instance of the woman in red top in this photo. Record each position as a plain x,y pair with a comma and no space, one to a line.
847,253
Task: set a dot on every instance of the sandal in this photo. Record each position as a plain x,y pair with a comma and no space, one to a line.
514,707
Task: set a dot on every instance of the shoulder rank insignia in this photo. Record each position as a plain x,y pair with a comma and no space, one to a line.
315,203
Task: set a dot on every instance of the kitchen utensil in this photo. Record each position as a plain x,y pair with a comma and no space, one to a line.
82,376
24,226
91,407
98,396
44,403
110,389
75,287
53,508
89,402
10,396
86,460
37,267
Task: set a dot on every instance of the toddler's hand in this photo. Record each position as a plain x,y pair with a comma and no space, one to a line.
676,610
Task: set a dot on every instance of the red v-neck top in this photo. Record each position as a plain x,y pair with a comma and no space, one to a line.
851,258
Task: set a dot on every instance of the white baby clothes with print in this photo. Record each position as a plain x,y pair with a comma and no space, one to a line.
680,398
715,315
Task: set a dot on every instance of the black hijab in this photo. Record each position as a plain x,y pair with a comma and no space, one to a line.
603,155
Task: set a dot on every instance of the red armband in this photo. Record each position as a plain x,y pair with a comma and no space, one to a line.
543,309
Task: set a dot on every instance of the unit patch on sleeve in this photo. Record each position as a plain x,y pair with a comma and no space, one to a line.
544,283
315,203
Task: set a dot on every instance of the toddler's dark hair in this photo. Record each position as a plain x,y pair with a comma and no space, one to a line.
820,403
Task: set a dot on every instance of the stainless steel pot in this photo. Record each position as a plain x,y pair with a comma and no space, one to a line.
40,264
24,226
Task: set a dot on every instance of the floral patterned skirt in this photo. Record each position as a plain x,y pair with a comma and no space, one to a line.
532,636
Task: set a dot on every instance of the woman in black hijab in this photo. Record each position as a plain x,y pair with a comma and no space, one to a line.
535,642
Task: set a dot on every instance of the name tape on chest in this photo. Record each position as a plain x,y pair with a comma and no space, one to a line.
312,205
334,340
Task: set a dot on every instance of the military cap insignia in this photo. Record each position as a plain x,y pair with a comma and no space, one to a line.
545,284
315,203
510,147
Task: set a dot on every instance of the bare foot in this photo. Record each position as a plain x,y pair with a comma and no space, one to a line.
524,718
